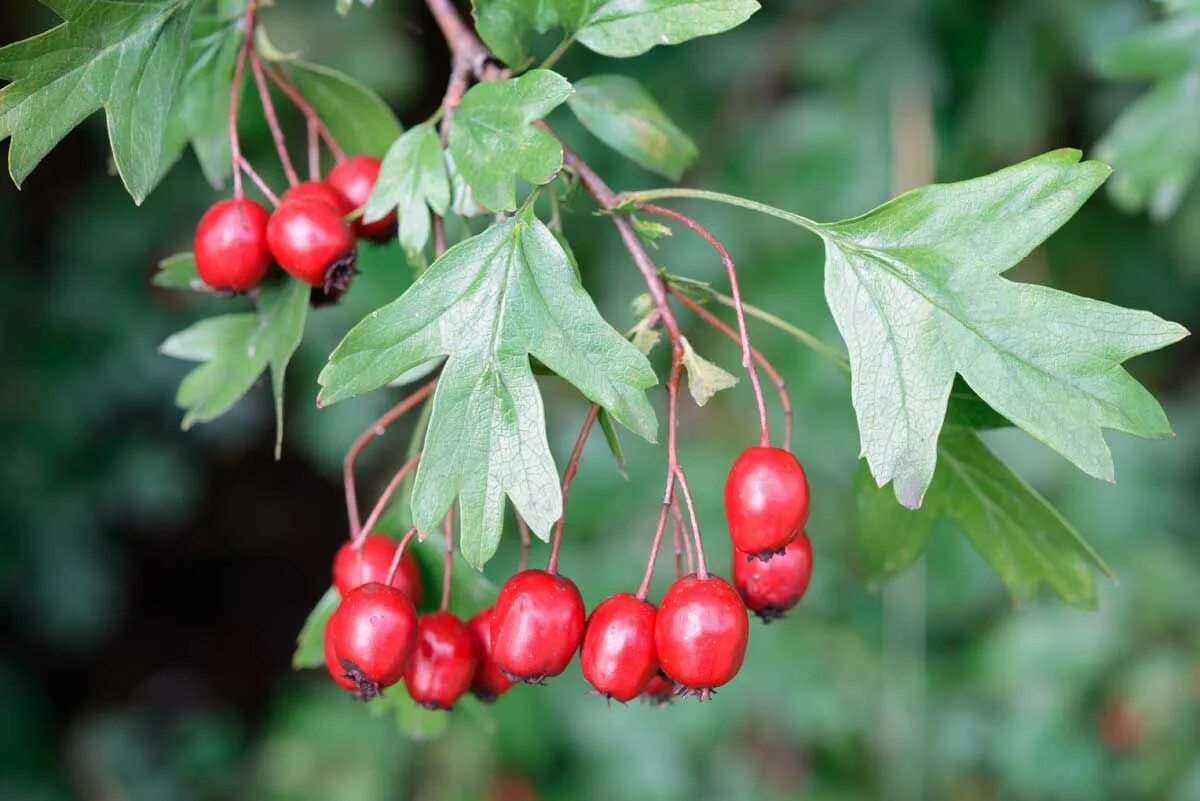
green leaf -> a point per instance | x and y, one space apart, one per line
1163 50
412 180
613 438
493 142
507 26
705 379
310 642
489 304
127 58
359 119
177 272
203 105
915 289
624 28
1015 529
623 115
1154 148
235 349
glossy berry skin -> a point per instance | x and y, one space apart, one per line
660 690
311 241
230 245
766 500
372 633
618 657
319 191
701 632
336 671
377 554
489 683
354 178
537 624
442 663
771 588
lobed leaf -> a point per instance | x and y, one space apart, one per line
489 304
412 180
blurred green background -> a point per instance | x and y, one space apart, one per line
153 581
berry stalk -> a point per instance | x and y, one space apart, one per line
395 566
568 477
264 94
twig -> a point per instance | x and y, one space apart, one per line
374 430
264 93
568 477
785 400
731 272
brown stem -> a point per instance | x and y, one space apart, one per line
235 96
285 85
447 559
731 272
681 532
785 400
655 544
701 564
523 528
568 477
374 430
672 467
391 574
244 166
384 497
678 537
264 93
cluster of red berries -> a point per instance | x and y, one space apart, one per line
309 234
692 643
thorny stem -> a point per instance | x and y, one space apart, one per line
568 477
391 574
245 167
523 529
785 400
374 430
384 497
235 91
264 93
731 272
285 85
447 559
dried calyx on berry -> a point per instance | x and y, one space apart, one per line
369 639
311 240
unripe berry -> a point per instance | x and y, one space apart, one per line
537 624
618 647
354 178
442 663
701 632
772 587
230 245
489 683
766 500
372 633
311 241
353 568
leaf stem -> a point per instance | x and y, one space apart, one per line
568 477
264 94
731 272
558 52
395 566
785 400
376 429
643 196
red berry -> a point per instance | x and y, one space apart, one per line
231 245
772 587
310 239
489 683
442 663
537 624
353 568
766 500
320 191
660 691
618 647
372 633
339 674
701 632
354 179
